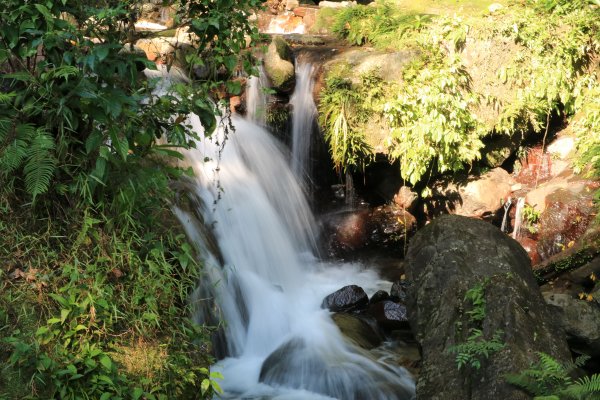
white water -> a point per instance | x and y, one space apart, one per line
265 281
518 217
506 207
257 98
270 289
304 113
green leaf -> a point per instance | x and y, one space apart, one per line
120 144
106 362
44 11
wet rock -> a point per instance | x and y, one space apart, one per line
378 296
565 219
382 227
477 197
389 314
446 258
357 330
348 298
406 198
580 319
399 291
538 198
279 65
390 225
341 376
530 246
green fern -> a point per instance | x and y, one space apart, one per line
551 380
40 164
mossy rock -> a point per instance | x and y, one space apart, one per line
279 65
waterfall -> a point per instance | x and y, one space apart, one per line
268 287
304 113
255 232
506 207
518 217
257 98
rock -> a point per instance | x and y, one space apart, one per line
492 8
378 296
291 4
279 65
334 374
499 148
399 291
276 6
348 298
336 4
383 227
390 225
389 314
357 330
477 197
537 198
530 247
580 319
562 147
406 199
446 258
565 219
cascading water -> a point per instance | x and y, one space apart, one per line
257 98
304 113
263 279
518 217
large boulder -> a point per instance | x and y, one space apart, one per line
449 257
358 330
279 65
478 197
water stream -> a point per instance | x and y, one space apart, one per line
257 237
304 113
257 97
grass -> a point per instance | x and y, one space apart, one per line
445 7
88 309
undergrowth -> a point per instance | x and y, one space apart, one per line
93 311
436 120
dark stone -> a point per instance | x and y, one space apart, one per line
399 291
378 296
389 315
348 298
445 259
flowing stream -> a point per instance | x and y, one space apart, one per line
257 235
257 98
304 113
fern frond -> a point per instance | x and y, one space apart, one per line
40 164
16 150
584 388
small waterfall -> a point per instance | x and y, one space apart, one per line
304 114
505 217
518 217
256 234
257 98
268 288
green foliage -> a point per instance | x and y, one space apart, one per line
433 127
76 111
476 347
106 301
381 25
550 379
341 112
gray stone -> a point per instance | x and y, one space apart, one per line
445 259
357 330
580 319
279 65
